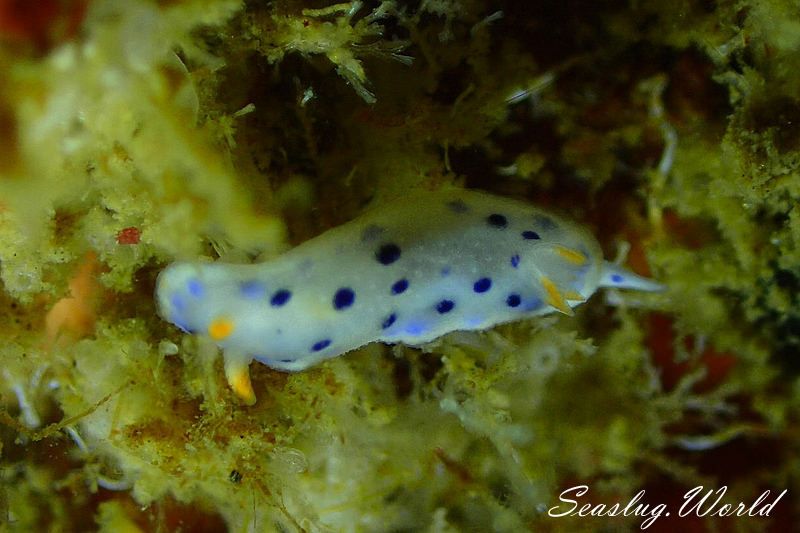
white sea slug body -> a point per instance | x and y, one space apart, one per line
406 272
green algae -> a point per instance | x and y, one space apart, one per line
239 129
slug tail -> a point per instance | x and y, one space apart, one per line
621 278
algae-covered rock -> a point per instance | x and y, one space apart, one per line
137 133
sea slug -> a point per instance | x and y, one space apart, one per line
407 272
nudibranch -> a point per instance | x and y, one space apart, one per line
406 272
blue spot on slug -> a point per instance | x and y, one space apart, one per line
445 306
482 285
389 321
616 278
496 220
515 260
530 235
343 298
195 287
474 321
416 328
280 297
400 286
178 304
513 300
321 345
533 304
252 290
388 254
